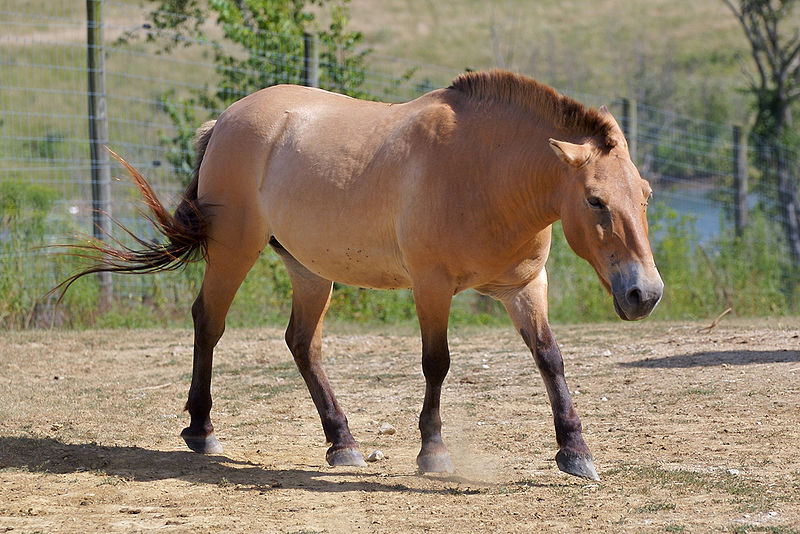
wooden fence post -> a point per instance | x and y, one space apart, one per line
310 76
630 124
739 180
98 136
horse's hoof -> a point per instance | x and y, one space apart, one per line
352 457
580 465
435 463
203 444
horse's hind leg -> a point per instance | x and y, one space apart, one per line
310 298
224 274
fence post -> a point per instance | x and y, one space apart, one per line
310 76
98 136
631 125
739 180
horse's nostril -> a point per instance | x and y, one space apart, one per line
634 297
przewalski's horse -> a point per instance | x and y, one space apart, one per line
454 190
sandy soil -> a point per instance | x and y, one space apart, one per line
691 432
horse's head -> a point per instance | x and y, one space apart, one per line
603 213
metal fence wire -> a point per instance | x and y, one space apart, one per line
44 140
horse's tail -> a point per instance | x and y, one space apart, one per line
186 230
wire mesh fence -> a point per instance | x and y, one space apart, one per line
45 166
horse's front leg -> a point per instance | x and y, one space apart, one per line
432 301
528 310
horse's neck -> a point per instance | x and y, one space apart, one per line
533 187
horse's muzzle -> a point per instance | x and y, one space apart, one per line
636 294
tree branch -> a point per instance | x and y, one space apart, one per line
762 42
755 43
793 54
771 20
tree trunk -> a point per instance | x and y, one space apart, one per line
787 182
789 207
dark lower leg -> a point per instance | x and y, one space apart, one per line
307 354
199 435
551 366
435 368
433 456
573 456
344 448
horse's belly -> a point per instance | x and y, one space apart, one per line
354 265
342 233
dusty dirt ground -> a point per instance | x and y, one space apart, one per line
691 432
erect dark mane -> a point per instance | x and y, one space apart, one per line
541 100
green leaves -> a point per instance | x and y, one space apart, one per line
262 42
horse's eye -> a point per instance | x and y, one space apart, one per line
596 203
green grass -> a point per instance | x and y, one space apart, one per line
749 495
656 507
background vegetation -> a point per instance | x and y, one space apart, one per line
680 55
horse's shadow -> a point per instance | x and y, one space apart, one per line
48 455
717 358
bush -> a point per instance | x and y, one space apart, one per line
26 271
752 273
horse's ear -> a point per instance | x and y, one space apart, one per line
604 110
573 155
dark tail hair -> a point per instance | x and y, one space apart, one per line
185 230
